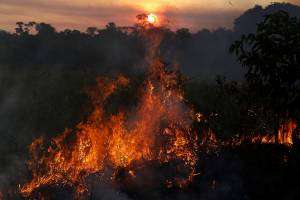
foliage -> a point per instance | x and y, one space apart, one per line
272 57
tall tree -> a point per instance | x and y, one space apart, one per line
272 57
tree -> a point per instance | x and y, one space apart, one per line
272 57
45 29
23 28
92 31
20 28
183 34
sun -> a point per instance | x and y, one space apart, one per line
151 18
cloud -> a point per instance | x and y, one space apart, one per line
196 20
64 14
79 14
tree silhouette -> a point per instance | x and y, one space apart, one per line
45 29
92 31
272 57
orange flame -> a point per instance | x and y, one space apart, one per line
158 130
284 135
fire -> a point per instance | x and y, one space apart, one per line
284 135
152 18
158 130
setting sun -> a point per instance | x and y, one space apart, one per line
152 18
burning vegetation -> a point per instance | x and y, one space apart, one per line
161 129
158 129
285 136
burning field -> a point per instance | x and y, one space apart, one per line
158 130
158 147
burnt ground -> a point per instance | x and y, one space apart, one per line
246 172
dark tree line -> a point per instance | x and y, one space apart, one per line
272 58
48 64
44 71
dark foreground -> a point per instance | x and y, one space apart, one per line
231 173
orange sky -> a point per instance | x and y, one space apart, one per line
80 14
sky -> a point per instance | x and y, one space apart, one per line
80 14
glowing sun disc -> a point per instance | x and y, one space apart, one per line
151 18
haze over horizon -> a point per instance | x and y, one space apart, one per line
79 14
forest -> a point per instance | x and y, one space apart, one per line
244 81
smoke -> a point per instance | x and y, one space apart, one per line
105 191
206 54
13 134
28 109
43 100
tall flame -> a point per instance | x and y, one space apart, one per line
159 129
